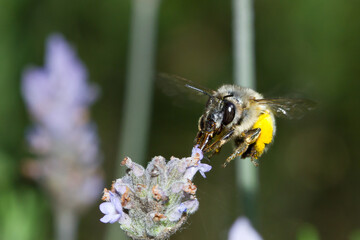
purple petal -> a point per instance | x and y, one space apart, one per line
106 219
110 218
107 208
191 205
196 150
115 218
182 208
203 168
117 205
116 202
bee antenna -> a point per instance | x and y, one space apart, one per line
198 89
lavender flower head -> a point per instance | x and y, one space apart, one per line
153 203
62 137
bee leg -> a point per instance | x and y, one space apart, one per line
255 162
254 157
248 138
238 152
215 147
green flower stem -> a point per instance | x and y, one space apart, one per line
66 223
244 74
140 75
138 93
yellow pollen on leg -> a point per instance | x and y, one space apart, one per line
266 123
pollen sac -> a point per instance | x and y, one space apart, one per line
153 203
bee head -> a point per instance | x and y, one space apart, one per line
219 113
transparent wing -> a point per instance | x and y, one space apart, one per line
173 85
293 108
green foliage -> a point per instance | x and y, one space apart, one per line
7 171
307 232
22 215
355 235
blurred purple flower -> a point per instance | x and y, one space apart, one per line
58 97
242 230
58 94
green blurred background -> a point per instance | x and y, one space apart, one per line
309 180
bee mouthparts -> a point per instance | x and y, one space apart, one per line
204 139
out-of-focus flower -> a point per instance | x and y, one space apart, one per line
155 201
62 138
242 230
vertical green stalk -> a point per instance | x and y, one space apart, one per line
66 223
244 75
9 68
139 85
138 93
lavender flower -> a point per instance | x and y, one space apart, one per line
196 165
62 137
153 203
242 230
113 210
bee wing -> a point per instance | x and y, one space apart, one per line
293 108
174 85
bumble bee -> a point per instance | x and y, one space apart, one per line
242 115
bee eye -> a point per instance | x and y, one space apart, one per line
229 112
